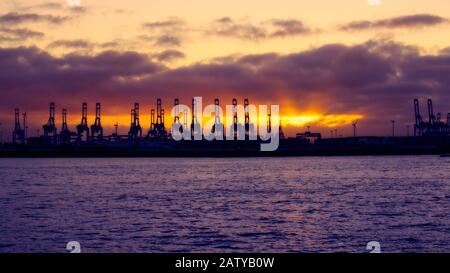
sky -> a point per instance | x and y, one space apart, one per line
326 63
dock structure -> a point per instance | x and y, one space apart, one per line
434 125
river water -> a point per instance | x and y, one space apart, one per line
305 204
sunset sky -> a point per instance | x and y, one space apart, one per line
326 62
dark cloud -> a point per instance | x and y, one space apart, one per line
49 5
169 55
55 6
80 44
378 79
165 33
224 20
171 23
111 44
257 59
19 18
431 70
168 40
164 40
289 28
241 29
227 27
18 34
445 51
170 32
38 75
78 9
408 21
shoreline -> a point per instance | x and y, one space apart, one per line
351 146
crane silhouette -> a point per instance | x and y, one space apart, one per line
354 124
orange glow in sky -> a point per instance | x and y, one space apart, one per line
322 120
295 121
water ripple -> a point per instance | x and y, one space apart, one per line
328 204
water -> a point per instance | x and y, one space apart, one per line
318 204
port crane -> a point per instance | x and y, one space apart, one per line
176 119
135 132
195 124
217 126
65 134
96 128
160 128
434 126
83 126
157 118
50 128
18 133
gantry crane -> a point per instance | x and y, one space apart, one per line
83 126
18 133
50 128
135 132
65 134
96 128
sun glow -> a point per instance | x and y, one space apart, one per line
287 120
322 120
